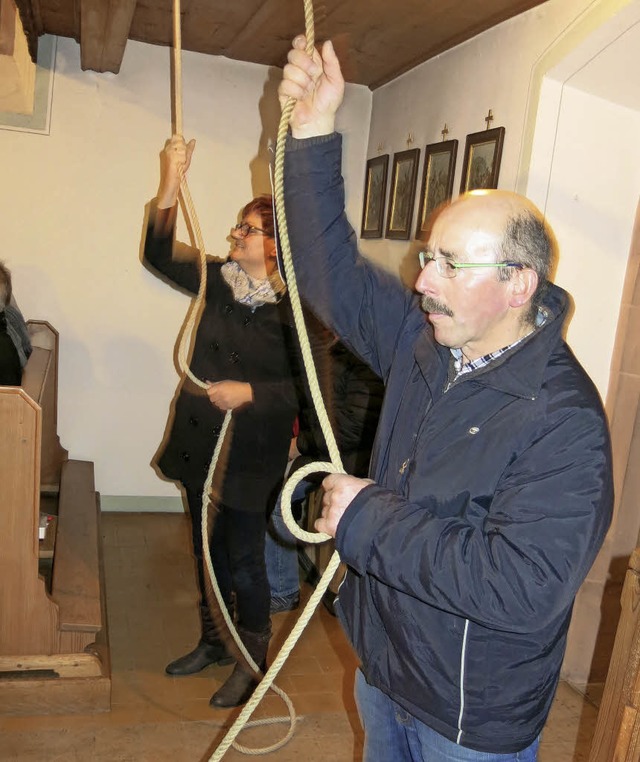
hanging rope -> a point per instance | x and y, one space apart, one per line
183 349
335 466
185 341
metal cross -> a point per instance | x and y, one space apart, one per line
489 118
444 132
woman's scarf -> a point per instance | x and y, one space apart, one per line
253 292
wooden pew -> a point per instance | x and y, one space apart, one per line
54 651
617 734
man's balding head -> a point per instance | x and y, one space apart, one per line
492 257
516 226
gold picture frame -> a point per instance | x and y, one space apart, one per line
375 187
482 155
403 191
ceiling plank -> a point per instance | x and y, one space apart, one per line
104 30
377 40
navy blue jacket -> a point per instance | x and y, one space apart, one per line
490 500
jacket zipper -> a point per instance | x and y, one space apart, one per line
463 655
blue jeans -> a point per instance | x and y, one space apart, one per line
281 548
393 735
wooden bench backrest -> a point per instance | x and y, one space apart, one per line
40 381
28 618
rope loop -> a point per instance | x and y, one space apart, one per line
285 500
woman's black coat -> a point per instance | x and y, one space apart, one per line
233 342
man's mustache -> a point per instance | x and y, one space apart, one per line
429 304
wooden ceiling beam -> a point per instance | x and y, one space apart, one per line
104 30
17 70
31 19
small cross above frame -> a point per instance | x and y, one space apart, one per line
444 132
489 118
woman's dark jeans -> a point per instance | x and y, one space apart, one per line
237 554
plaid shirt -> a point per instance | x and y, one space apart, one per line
480 362
483 361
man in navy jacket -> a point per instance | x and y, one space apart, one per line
491 483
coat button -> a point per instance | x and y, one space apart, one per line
193 421
247 320
185 456
214 346
228 309
216 430
234 357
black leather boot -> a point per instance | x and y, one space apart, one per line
210 649
243 680
202 656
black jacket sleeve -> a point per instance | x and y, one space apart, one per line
176 261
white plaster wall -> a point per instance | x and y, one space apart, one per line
591 205
72 220
585 175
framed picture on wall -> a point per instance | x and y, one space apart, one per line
482 154
437 180
403 191
375 187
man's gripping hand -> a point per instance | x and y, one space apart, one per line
317 84
339 491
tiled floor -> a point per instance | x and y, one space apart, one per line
156 718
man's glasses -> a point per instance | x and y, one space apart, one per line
245 229
448 269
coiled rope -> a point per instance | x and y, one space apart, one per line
335 466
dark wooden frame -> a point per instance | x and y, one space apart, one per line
374 197
427 201
474 141
402 195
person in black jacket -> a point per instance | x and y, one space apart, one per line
242 350
353 397
16 325
491 485
10 367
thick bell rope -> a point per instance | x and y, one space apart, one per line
335 466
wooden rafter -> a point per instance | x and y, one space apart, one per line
29 11
104 30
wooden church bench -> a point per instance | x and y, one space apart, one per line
54 651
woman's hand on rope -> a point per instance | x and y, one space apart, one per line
339 491
317 84
230 395
175 160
